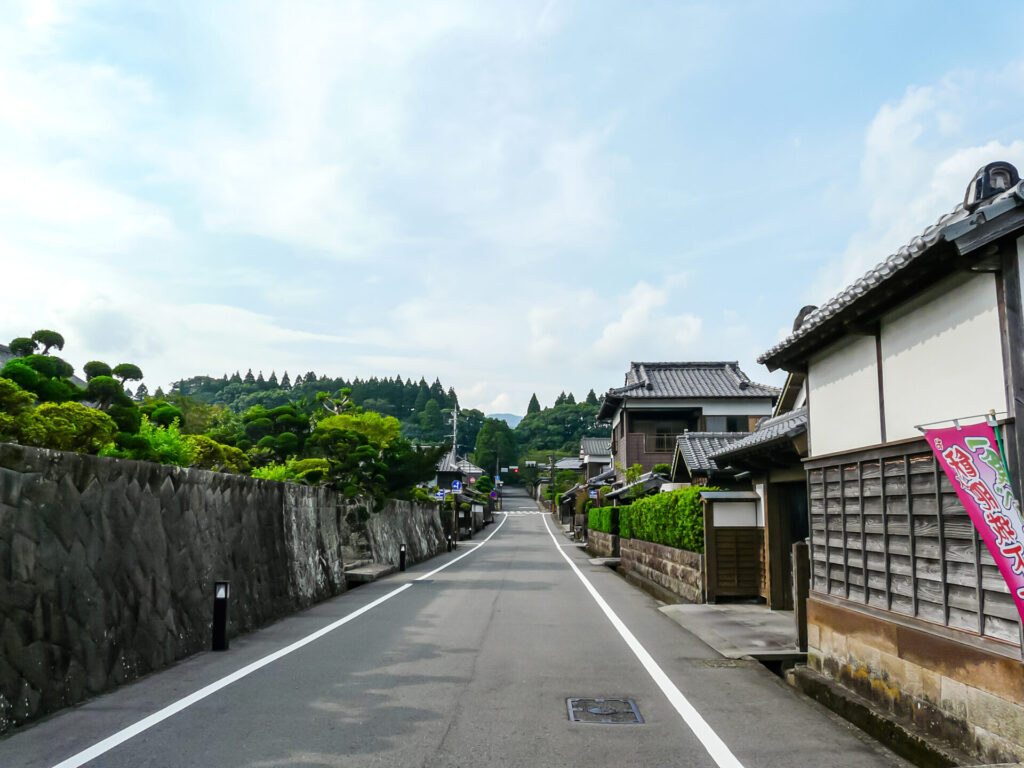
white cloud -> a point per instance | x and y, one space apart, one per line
919 154
641 330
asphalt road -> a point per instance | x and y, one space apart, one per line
470 665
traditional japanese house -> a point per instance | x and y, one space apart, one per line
661 401
906 603
596 455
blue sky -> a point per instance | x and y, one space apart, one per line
511 196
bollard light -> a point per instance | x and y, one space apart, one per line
221 593
401 558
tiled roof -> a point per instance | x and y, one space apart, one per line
782 427
448 463
452 463
569 462
608 474
698 380
596 446
949 226
697 448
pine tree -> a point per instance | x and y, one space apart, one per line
159 394
570 399
249 378
591 398
260 381
453 400
272 381
560 400
141 393
297 382
285 384
534 406
236 379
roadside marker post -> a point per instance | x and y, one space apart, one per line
221 593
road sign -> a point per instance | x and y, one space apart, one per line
439 495
494 494
497 478
504 469
514 469
456 485
593 494
472 480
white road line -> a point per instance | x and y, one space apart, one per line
146 723
719 752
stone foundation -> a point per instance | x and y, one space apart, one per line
968 694
679 571
602 544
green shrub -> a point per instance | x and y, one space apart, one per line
604 519
209 454
675 519
164 445
661 469
66 427
272 471
626 521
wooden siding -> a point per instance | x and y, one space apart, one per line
890 532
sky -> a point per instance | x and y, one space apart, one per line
513 197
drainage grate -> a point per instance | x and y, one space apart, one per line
622 711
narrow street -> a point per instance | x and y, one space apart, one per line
465 660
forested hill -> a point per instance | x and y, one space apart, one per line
419 406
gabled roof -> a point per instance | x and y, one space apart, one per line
684 380
697 448
647 482
899 271
783 427
596 446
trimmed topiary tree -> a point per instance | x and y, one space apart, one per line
48 339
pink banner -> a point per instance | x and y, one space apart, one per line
970 456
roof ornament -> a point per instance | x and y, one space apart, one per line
802 315
989 181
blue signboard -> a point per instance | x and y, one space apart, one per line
439 495
494 494
456 485
593 494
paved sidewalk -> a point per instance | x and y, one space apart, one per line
737 630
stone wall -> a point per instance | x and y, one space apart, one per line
968 694
417 526
107 565
602 544
677 570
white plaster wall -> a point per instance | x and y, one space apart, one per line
942 356
842 383
736 514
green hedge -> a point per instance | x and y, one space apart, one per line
675 519
604 519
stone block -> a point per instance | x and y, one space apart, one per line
996 714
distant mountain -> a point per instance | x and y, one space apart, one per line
509 418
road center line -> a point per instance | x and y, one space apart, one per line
719 752
159 716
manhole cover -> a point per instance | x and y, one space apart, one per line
622 711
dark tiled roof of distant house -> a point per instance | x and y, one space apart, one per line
862 295
785 426
596 446
684 380
697 448
607 476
